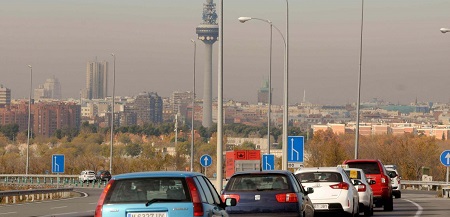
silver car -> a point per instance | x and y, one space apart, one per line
362 184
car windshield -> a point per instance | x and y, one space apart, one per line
392 173
367 167
319 177
256 182
148 189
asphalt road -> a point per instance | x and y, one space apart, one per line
412 203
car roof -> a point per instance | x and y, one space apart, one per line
361 160
284 172
180 174
329 169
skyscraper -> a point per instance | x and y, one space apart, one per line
50 90
5 96
149 108
96 80
263 93
208 32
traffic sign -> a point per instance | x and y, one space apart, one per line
205 160
58 163
268 162
295 149
445 158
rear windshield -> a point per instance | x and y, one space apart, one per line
367 167
319 177
263 182
353 174
146 189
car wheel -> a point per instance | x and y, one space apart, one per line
368 210
389 204
398 194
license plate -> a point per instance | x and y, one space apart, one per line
147 214
320 206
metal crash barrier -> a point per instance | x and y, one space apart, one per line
16 196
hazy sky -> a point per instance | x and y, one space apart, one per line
405 56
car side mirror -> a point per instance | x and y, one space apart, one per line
230 202
310 190
356 182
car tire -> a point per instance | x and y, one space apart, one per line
368 211
398 195
389 204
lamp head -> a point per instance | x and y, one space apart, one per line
244 19
112 54
30 66
193 40
444 30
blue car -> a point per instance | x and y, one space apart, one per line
268 193
161 194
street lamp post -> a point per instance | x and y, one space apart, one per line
112 114
29 120
245 19
193 110
359 83
445 30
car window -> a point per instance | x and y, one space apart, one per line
367 167
319 177
252 182
204 187
213 191
392 173
145 189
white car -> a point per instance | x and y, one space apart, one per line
333 190
87 176
395 180
362 185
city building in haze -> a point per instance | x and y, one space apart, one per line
148 107
96 80
51 89
5 96
263 93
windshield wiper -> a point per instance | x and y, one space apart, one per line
154 200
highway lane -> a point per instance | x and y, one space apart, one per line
81 206
413 204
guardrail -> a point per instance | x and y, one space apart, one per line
15 196
421 185
47 179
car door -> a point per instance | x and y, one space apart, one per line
307 205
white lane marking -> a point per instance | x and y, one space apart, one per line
7 213
58 207
419 208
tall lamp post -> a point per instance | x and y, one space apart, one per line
29 119
359 83
112 114
243 20
284 163
445 30
193 110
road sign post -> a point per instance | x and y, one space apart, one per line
295 153
205 161
445 160
268 162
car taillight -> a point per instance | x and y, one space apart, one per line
101 200
198 207
287 198
341 185
399 181
361 188
235 196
